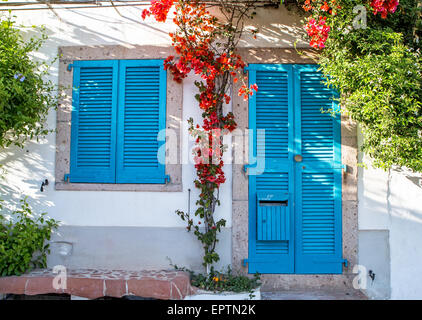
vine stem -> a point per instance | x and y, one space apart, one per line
208 268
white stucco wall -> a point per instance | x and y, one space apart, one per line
393 202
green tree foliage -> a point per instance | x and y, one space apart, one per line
378 71
25 95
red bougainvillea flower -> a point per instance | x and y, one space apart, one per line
384 7
159 9
246 92
307 5
318 32
325 7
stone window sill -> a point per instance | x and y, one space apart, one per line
169 187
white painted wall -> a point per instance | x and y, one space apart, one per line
394 202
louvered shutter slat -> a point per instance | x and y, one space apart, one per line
272 113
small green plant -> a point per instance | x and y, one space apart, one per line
22 240
219 281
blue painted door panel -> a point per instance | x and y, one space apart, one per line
304 234
318 177
141 115
94 113
271 109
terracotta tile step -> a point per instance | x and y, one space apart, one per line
90 283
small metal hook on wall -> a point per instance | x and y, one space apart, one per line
44 184
371 275
188 201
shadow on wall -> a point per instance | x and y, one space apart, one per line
416 180
386 193
97 27
24 171
281 27
414 177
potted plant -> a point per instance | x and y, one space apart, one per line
225 286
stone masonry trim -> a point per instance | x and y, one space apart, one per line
349 188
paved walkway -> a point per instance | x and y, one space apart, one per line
313 295
91 284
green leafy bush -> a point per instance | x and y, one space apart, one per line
25 95
22 241
377 69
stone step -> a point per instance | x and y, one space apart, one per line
93 283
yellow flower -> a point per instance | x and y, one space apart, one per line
215 279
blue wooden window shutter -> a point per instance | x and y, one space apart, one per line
94 114
119 107
141 115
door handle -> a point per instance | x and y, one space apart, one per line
298 158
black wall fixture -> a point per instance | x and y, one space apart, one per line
43 184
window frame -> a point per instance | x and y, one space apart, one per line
173 116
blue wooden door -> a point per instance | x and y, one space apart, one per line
294 172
